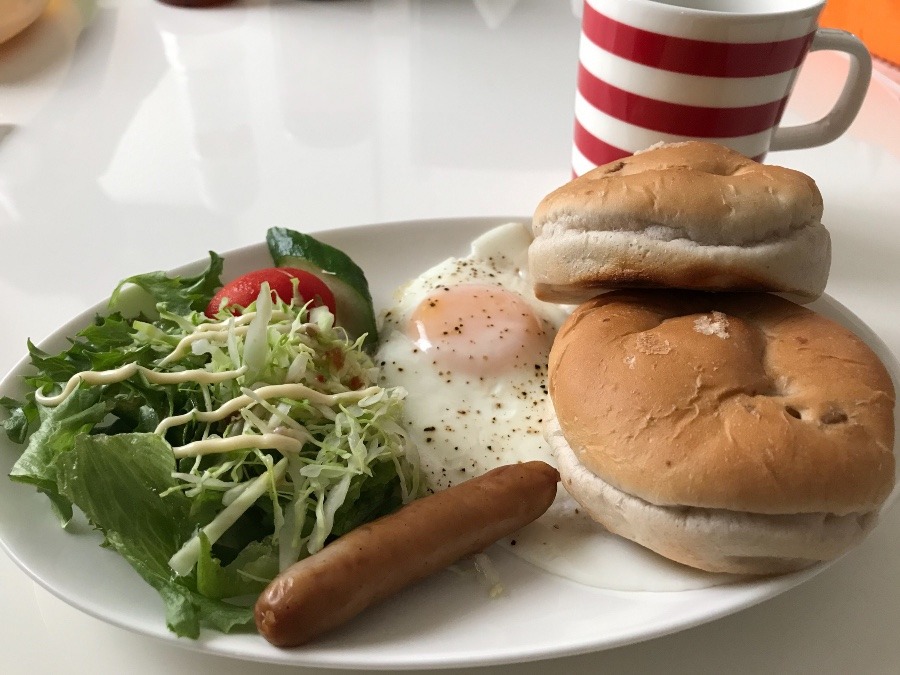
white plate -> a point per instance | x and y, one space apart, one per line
444 622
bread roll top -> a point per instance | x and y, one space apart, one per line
691 215
745 402
700 191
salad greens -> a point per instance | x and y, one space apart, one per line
212 453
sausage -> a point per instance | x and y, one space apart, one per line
377 559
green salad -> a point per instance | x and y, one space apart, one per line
212 451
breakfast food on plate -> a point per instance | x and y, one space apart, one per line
271 452
692 215
738 433
378 559
698 414
247 428
469 342
476 399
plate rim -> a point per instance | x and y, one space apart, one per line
749 593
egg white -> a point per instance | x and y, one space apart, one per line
465 424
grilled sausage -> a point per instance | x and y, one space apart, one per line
378 559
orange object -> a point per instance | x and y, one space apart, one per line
875 22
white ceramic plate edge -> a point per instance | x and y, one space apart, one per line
441 623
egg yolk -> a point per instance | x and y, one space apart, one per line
478 329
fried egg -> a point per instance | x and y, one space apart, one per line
470 342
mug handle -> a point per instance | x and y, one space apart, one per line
849 102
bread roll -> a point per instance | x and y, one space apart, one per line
741 420
692 215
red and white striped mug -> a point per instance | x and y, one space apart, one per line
721 70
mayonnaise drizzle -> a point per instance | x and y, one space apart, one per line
184 345
281 440
122 373
216 445
295 391
218 330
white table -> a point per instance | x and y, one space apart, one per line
136 136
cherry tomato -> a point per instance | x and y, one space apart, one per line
245 289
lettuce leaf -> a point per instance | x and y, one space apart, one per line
178 295
22 419
60 426
117 481
247 574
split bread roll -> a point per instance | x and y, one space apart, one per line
691 215
731 432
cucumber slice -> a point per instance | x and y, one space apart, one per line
343 276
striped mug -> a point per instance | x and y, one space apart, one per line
721 70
